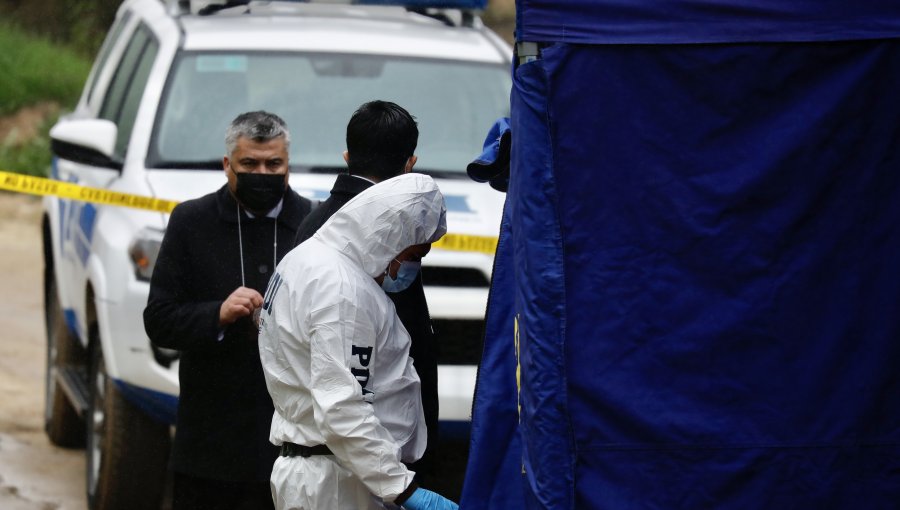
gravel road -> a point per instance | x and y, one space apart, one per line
34 475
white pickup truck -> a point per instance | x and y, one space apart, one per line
151 122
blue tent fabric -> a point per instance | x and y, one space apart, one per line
703 240
704 21
494 481
539 297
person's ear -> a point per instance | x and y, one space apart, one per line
225 163
410 163
346 155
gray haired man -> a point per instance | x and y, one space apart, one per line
217 255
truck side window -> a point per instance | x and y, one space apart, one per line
105 51
127 87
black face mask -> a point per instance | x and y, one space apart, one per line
259 193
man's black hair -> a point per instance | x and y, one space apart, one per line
381 136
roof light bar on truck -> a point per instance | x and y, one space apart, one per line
209 6
417 4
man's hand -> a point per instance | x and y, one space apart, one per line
241 303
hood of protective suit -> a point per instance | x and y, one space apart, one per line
385 219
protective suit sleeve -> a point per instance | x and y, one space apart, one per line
347 422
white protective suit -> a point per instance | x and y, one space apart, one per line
336 357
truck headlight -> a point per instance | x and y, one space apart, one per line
143 252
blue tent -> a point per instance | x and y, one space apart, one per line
696 296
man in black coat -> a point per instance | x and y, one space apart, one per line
216 258
381 140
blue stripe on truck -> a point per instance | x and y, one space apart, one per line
159 406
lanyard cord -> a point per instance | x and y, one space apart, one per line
241 244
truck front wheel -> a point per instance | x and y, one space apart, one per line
127 451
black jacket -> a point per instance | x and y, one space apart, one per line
224 410
412 310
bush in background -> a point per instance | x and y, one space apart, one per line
81 24
39 78
31 157
35 70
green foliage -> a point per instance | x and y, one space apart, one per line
31 157
36 70
80 24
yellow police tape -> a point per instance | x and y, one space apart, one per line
42 186
460 242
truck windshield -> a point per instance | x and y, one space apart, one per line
453 102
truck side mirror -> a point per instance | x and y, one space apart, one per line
87 141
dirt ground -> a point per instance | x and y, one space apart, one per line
34 475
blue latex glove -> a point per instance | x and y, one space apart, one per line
423 499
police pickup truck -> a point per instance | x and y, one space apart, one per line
168 79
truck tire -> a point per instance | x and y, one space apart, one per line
61 421
127 451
